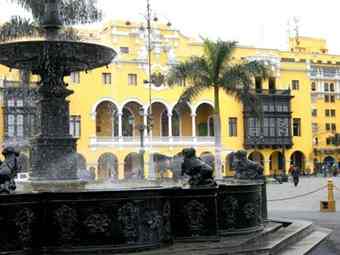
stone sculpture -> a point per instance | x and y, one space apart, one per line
8 170
246 169
201 174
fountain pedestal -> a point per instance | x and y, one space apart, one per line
53 149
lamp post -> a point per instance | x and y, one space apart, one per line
283 127
141 128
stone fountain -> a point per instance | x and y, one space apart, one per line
206 218
52 60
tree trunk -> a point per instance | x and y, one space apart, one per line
217 133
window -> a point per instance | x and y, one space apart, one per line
20 103
75 77
313 86
75 125
283 125
315 127
10 125
11 102
328 126
254 126
328 140
327 112
258 84
333 112
106 78
132 79
124 50
331 87
333 125
266 127
295 85
271 127
272 83
326 87
15 125
296 127
232 126
332 98
20 125
314 112
326 98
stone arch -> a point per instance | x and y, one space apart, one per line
298 159
104 99
81 161
329 161
228 168
182 120
257 157
197 105
106 119
203 112
276 163
160 101
131 100
132 167
23 163
208 158
128 122
107 166
163 166
157 108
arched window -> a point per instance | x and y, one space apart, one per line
176 124
106 119
128 122
211 126
164 123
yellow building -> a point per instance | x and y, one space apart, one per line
111 104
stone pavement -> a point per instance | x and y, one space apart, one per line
307 208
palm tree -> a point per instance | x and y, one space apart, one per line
71 12
216 70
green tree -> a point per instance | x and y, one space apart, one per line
216 70
72 12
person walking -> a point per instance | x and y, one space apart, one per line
295 174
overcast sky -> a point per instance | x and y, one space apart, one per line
261 23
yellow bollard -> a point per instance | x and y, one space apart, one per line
329 206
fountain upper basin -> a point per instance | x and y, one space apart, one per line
71 56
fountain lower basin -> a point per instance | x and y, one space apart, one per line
115 221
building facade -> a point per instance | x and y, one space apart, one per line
111 106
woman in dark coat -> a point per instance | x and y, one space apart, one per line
296 174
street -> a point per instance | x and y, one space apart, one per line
307 207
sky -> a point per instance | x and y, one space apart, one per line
260 23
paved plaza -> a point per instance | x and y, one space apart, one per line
307 207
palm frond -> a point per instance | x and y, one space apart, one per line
71 11
257 69
17 27
194 69
192 92
217 55
238 81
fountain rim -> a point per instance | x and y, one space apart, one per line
11 61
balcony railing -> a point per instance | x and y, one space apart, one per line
164 141
269 141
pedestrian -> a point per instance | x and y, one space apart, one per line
295 174
334 169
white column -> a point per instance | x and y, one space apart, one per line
145 123
193 121
170 125
120 126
